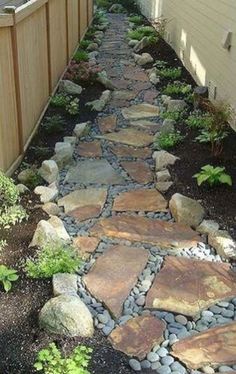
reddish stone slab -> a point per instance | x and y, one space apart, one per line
139 171
149 126
188 286
146 230
115 103
138 336
107 124
129 136
108 282
136 75
141 86
86 245
150 95
214 347
90 149
125 151
120 83
140 200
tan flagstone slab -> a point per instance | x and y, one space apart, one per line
140 200
84 204
108 282
138 336
139 171
215 347
94 172
141 229
121 150
124 95
86 245
107 124
141 111
188 286
152 127
129 137
90 149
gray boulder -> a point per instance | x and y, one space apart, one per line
176 105
186 211
223 243
144 42
164 159
64 284
99 105
143 59
49 171
69 87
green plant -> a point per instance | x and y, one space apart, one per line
142 31
3 244
41 152
34 179
60 100
211 136
167 141
170 73
50 361
73 107
213 176
81 55
54 124
53 258
9 193
177 89
175 115
136 19
11 215
7 276
199 120
84 43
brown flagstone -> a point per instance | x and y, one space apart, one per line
84 203
150 95
120 83
129 136
138 336
116 103
140 200
141 86
86 245
216 346
146 125
139 111
138 171
188 286
107 124
125 151
136 75
141 229
107 281
124 95
90 149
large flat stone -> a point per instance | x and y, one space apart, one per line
107 124
85 245
139 171
141 229
107 281
90 149
138 336
140 200
188 286
93 172
84 204
129 137
152 127
214 347
124 151
141 111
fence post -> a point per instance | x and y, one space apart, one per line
12 10
88 18
79 20
49 49
67 32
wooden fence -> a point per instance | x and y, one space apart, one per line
36 44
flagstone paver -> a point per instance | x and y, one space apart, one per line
124 151
90 149
188 286
142 229
84 204
107 124
138 171
217 346
129 136
108 280
85 245
141 111
138 336
140 200
146 125
94 171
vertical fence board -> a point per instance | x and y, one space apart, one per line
73 25
90 10
83 17
9 141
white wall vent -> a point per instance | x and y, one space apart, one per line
212 90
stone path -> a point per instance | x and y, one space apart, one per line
161 295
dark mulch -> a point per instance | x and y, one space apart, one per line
220 201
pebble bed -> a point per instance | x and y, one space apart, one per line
178 326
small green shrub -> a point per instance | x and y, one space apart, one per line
142 31
167 141
137 20
7 276
60 100
54 124
84 44
50 361
170 73
73 107
198 121
34 179
81 55
52 259
177 89
9 193
41 152
175 115
3 244
210 136
160 64
12 215
213 176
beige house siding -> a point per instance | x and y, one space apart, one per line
195 30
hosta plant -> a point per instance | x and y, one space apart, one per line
213 176
7 276
51 361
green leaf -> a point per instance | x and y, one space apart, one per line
38 366
225 178
202 178
6 285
